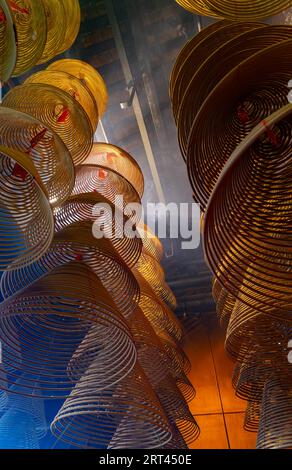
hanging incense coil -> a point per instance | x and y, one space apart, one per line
89 77
47 151
30 25
275 427
127 415
108 222
253 245
27 224
73 20
113 157
254 90
110 184
54 315
239 10
70 85
77 243
57 110
252 416
7 43
177 409
227 49
54 10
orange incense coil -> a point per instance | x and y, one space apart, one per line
57 110
253 88
253 255
47 151
70 85
72 16
27 224
54 10
54 315
107 219
239 10
30 26
7 43
177 409
110 184
127 415
77 243
89 77
252 416
113 157
275 426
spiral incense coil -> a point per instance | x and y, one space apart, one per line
248 327
30 26
72 16
54 315
152 355
70 85
275 427
54 13
57 110
209 44
236 10
89 77
157 313
110 184
227 48
255 247
27 225
89 418
77 243
177 409
7 43
254 90
182 68
151 244
47 151
113 157
109 222
252 416
153 273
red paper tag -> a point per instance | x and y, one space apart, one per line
102 174
64 115
19 172
2 16
242 114
37 138
273 138
79 257
18 9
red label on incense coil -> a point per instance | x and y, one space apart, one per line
64 115
19 172
18 9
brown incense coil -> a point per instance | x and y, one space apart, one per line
151 244
275 427
55 16
109 222
249 328
214 57
72 16
27 225
54 315
57 110
157 313
254 90
47 151
77 243
30 26
113 157
110 184
152 355
224 302
177 409
239 10
7 43
89 77
153 273
89 418
185 65
71 85
247 237
252 416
